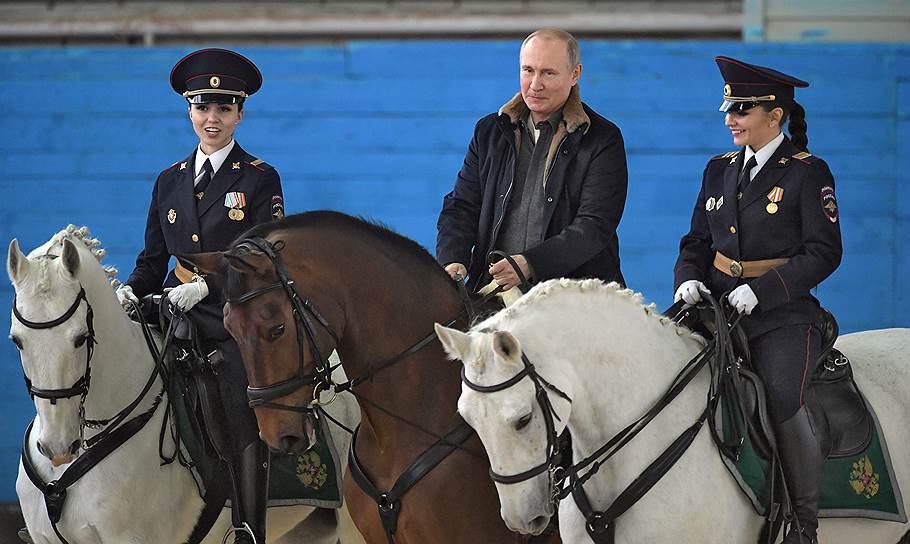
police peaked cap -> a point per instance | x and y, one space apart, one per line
215 75
745 85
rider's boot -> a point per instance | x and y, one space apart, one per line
801 459
252 491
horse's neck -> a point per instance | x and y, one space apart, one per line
424 386
121 363
619 377
617 361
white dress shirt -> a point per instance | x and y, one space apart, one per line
217 158
762 155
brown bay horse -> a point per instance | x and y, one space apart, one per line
298 288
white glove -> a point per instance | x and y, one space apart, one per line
690 291
743 299
125 296
189 294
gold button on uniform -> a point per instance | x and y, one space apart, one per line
732 230
195 237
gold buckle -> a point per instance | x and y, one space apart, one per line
736 269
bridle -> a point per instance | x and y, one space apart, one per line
551 463
82 385
568 480
304 314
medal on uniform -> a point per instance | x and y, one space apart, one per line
234 201
709 205
236 214
775 195
171 216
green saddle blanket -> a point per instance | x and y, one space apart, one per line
312 478
863 485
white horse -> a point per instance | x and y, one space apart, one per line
614 357
129 497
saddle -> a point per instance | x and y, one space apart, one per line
836 407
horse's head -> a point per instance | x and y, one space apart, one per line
52 327
517 422
284 348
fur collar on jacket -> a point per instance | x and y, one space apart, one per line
573 115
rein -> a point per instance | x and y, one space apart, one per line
565 481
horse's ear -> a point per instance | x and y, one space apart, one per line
16 262
70 257
506 346
247 261
454 342
206 263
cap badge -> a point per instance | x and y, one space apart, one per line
215 82
709 205
171 216
727 90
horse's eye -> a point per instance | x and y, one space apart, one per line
15 340
276 332
81 341
523 422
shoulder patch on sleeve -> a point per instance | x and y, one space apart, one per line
728 155
829 203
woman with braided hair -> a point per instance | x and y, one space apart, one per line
764 232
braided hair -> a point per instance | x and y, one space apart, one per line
797 116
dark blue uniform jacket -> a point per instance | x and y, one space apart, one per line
178 225
804 228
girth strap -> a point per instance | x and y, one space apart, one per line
389 502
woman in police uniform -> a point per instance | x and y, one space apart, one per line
765 230
202 203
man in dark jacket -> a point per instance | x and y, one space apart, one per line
544 180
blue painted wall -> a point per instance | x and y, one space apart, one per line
380 129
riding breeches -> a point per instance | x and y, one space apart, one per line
785 359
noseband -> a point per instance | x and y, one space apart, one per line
303 310
543 400
82 384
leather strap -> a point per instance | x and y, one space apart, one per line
744 269
389 502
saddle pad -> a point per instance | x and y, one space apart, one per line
863 485
312 478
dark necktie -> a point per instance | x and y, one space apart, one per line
203 179
744 177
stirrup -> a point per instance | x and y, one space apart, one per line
24 536
243 529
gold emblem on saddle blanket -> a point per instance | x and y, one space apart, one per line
311 471
863 478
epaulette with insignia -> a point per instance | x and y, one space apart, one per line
260 164
728 155
804 156
173 165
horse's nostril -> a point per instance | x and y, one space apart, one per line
42 450
290 444
74 447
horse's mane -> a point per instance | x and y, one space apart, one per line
53 248
592 287
332 220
